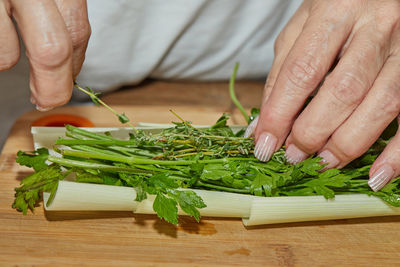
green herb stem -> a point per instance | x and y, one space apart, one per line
233 95
134 160
93 96
88 134
95 166
223 188
70 142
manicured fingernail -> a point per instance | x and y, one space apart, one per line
328 158
381 177
265 146
42 109
250 129
294 155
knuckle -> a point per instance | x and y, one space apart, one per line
349 90
351 152
346 151
272 118
390 98
51 55
80 34
306 137
303 73
388 12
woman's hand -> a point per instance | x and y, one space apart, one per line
359 41
55 33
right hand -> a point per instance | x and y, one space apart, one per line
56 34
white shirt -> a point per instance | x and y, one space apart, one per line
181 39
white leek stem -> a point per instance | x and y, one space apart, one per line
270 210
74 196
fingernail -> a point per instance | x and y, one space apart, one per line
265 146
294 155
42 109
250 129
381 177
328 158
33 100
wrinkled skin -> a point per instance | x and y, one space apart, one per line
56 34
353 48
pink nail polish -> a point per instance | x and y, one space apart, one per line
295 155
328 158
265 146
250 129
381 177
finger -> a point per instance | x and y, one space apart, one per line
364 126
49 51
342 91
76 19
386 166
9 44
303 69
283 44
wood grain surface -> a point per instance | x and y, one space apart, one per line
127 239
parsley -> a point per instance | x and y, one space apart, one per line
45 180
36 159
166 208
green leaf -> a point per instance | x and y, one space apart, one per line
111 180
160 183
221 122
36 159
254 113
215 172
189 202
123 118
94 96
391 198
166 208
311 166
325 191
28 194
20 204
196 169
261 183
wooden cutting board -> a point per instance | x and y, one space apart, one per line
124 238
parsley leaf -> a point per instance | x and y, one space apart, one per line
166 208
189 202
28 194
311 166
36 159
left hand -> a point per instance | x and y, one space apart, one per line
357 100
